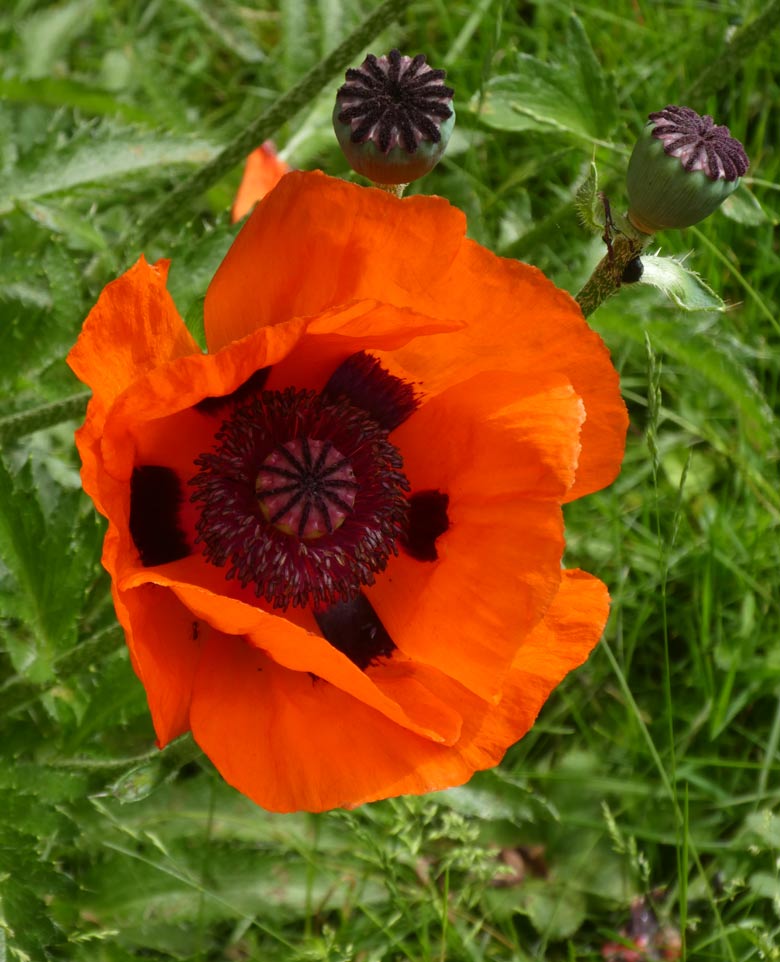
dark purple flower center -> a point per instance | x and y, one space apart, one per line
303 496
699 143
394 101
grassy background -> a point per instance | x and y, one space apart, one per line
654 770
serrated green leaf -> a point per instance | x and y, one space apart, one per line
54 785
571 96
29 931
192 267
27 814
70 224
33 335
64 285
29 884
681 284
590 210
106 155
48 557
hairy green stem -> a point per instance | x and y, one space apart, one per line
606 278
174 207
44 416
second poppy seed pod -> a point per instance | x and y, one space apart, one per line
393 117
682 169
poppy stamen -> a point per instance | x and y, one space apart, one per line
303 496
363 381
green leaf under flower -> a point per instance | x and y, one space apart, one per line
572 96
681 284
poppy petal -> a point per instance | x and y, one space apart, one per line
132 330
262 172
165 642
496 431
294 647
316 241
291 743
504 450
518 320
182 383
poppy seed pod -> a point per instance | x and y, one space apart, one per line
393 117
682 168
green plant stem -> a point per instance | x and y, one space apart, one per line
721 71
176 203
44 416
606 277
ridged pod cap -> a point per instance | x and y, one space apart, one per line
393 117
682 169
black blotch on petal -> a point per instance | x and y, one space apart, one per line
427 520
362 380
355 629
254 384
155 498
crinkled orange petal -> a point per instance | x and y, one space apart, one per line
315 242
554 648
133 329
295 648
366 326
262 172
494 433
504 449
292 743
165 646
518 320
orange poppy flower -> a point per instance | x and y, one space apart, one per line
335 539
262 172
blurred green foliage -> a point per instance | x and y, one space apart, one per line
653 772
